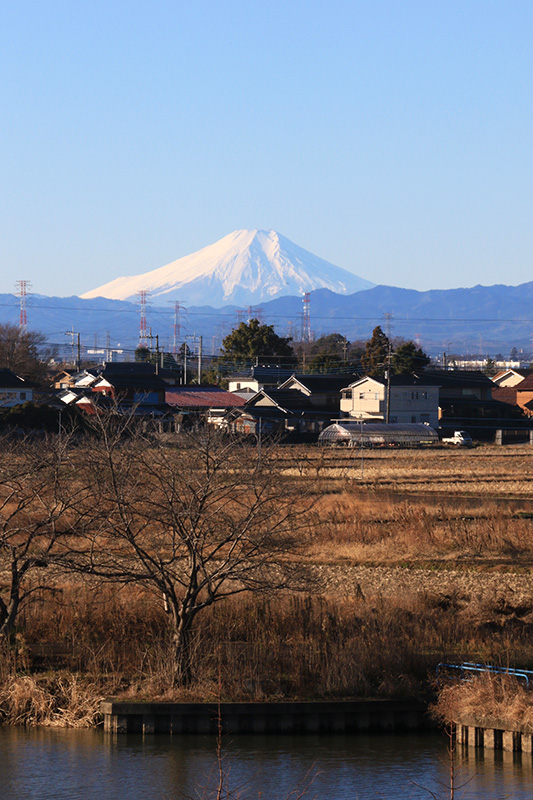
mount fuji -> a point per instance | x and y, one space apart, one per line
245 267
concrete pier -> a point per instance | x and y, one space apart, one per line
261 718
493 734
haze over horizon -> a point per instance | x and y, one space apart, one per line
391 140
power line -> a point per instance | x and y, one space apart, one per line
275 315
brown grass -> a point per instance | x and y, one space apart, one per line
467 508
81 645
61 699
499 699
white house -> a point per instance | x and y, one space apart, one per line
411 400
256 379
13 390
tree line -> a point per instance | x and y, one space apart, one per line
26 354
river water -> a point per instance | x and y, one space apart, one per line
47 763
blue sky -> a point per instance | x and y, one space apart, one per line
391 138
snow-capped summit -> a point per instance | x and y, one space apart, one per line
245 267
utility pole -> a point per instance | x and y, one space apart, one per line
387 410
200 360
156 337
197 341
75 334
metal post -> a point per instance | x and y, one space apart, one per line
199 360
362 451
387 407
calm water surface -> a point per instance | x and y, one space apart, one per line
66 764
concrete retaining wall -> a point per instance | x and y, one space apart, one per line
278 718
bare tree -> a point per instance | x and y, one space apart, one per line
195 523
39 507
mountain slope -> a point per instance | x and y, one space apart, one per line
480 319
246 267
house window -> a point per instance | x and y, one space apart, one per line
414 395
347 394
413 418
361 395
238 386
424 395
23 395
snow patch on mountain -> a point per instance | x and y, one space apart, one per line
244 267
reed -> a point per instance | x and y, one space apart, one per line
487 698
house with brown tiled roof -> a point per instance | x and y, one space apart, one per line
508 378
194 403
524 395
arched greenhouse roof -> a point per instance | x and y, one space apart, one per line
376 433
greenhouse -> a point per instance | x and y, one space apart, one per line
378 434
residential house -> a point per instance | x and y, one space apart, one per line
323 390
136 389
63 379
133 382
279 411
466 401
256 378
200 398
13 389
201 402
412 400
523 395
507 378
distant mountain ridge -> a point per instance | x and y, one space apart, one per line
245 267
481 319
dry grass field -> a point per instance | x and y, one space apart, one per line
441 504
413 556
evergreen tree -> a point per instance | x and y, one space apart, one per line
408 358
374 359
142 354
251 340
